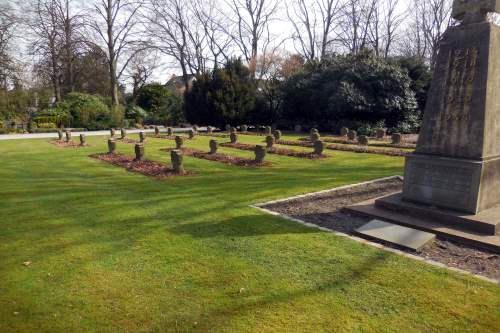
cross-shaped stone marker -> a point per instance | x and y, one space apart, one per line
474 11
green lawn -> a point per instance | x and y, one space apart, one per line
113 251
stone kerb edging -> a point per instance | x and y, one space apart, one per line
260 207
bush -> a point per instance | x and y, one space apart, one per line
157 104
356 91
136 113
44 130
82 110
225 96
46 125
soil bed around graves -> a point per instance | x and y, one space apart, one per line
214 135
253 133
66 144
222 158
350 148
373 142
164 137
277 151
127 141
145 167
326 210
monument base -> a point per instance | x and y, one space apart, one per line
469 186
480 230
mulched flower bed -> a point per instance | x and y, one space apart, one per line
276 151
253 133
374 142
147 168
165 137
326 210
215 135
222 158
127 141
66 144
350 148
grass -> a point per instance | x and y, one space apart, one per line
113 251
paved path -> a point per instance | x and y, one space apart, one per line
89 133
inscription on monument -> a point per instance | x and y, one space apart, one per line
446 178
461 73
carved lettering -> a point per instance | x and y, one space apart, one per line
447 178
462 66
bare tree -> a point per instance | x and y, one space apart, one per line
117 26
8 22
356 28
213 23
436 18
313 23
71 24
44 24
429 21
392 22
249 27
176 32
142 67
385 23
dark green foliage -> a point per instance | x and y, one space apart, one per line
227 95
161 105
136 113
81 110
420 75
355 88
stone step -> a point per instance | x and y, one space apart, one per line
443 231
405 237
487 222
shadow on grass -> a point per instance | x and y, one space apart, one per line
241 226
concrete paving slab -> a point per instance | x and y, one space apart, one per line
396 234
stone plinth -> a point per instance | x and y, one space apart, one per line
457 161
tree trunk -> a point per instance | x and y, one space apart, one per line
113 81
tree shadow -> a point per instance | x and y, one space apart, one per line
242 226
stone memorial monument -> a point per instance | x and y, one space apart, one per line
457 161
453 178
